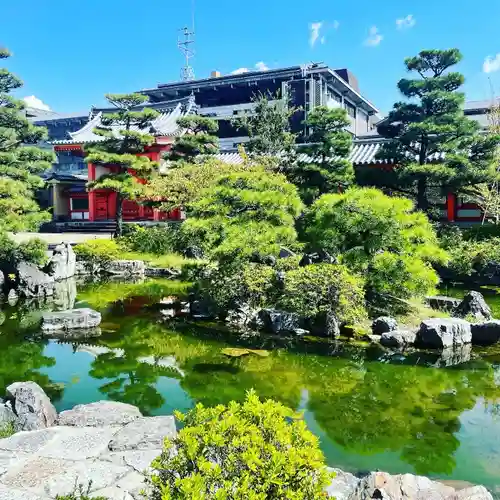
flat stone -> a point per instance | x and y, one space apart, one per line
442 302
139 460
112 493
73 319
9 459
472 493
133 483
100 474
343 484
398 338
125 268
145 433
78 443
99 414
31 405
29 442
7 493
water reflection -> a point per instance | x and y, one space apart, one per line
415 412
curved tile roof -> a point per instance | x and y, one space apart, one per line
164 125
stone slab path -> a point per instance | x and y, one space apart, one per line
107 445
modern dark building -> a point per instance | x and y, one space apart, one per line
307 86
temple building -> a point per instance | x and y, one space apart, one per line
68 178
222 98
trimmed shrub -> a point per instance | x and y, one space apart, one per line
367 230
254 450
97 253
158 240
321 288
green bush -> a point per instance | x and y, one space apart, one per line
468 257
250 450
158 240
321 288
401 276
366 228
226 286
33 251
97 252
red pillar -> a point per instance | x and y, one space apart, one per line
451 202
156 214
92 205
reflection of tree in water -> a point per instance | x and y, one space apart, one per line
20 358
414 410
132 367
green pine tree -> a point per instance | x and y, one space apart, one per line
435 146
120 150
268 127
199 138
327 168
21 163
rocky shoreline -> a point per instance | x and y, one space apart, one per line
109 446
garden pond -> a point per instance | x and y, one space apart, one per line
371 409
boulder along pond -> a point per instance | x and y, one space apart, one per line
416 411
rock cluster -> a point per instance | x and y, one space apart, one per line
383 486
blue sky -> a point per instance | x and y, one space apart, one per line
70 53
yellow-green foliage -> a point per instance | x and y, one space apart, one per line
252 450
97 252
7 430
320 288
375 233
33 251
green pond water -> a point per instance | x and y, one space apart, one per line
371 409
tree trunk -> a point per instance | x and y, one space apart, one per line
422 202
119 216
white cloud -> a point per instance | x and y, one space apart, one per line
491 64
314 29
323 40
261 66
406 22
34 102
335 25
374 37
240 71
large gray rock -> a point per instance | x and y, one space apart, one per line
343 484
474 305
275 321
384 324
7 415
486 333
62 264
442 303
102 413
32 282
70 320
439 333
398 338
125 268
325 324
144 434
31 405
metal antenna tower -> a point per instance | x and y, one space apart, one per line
185 44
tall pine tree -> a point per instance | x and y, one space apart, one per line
20 164
327 167
125 134
434 145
